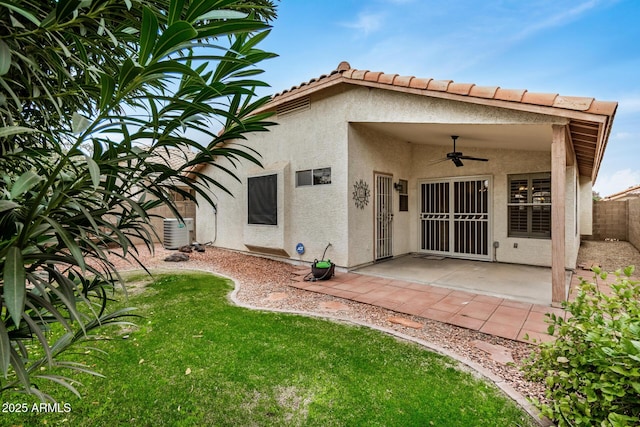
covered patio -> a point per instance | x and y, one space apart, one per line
516 282
506 300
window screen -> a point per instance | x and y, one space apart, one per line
263 200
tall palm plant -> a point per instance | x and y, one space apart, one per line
91 93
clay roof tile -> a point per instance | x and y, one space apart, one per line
359 74
514 95
573 102
536 98
386 78
483 91
372 76
419 83
439 85
403 81
460 88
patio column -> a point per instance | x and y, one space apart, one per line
558 219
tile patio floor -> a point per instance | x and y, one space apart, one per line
492 315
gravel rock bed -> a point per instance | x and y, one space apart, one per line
264 284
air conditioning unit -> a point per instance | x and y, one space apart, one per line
177 233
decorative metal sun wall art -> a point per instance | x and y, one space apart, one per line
361 194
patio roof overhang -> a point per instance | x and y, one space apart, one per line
588 121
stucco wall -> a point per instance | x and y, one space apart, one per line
372 152
336 132
313 215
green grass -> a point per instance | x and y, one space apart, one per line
197 360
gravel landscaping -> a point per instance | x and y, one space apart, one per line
264 284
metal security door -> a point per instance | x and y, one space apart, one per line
455 217
384 217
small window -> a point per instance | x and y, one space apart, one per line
322 176
263 200
403 190
530 205
313 177
304 178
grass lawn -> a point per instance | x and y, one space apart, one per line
197 360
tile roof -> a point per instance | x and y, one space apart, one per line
633 191
590 119
346 74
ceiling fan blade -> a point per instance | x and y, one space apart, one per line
473 158
456 161
435 162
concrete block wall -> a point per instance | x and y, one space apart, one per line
634 222
611 220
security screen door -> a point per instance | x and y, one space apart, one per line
454 217
384 216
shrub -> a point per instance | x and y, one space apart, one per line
592 369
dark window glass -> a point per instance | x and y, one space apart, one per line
263 200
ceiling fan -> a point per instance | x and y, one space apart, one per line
456 157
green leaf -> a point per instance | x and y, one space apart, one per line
24 183
128 72
7 205
222 14
22 12
94 171
148 35
5 58
175 11
68 241
65 8
107 87
14 284
15 130
174 38
79 123
5 350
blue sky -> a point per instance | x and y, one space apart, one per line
572 47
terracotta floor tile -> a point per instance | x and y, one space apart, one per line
413 308
535 325
517 304
488 299
404 295
462 294
509 316
533 335
466 322
440 316
440 290
478 310
501 330
354 287
381 281
450 304
400 283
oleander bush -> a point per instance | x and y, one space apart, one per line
592 369
92 94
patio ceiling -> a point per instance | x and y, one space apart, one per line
510 137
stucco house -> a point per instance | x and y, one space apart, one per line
366 161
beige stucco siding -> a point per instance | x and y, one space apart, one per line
347 130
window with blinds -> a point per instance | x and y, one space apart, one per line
530 205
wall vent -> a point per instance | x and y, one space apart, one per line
300 104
